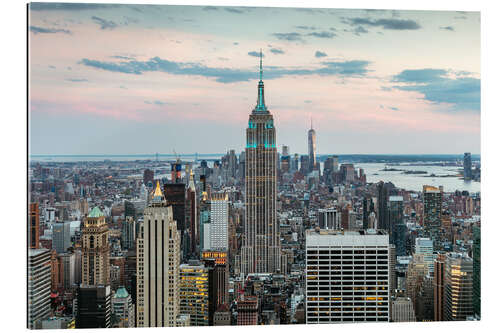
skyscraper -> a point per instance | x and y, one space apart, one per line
467 166
476 266
424 246
457 303
347 276
219 220
39 275
158 259
396 206
261 242
61 236
95 249
94 307
192 214
311 144
433 201
194 293
34 227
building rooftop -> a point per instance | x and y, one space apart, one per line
96 212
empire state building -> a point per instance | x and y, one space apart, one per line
261 241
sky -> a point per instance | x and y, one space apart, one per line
140 79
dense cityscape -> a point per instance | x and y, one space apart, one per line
262 237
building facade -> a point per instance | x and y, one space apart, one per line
261 242
347 276
95 249
39 280
158 259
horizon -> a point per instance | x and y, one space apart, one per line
130 78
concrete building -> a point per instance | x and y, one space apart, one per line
34 226
347 276
61 236
158 259
194 293
329 218
424 246
123 308
438 283
247 309
95 249
219 221
261 250
93 307
457 304
129 227
402 310
39 274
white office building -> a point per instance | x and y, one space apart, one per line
219 220
424 246
347 276
329 219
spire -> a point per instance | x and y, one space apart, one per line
311 122
157 190
260 64
191 181
261 105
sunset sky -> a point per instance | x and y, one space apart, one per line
132 79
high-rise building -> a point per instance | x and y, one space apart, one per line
329 219
219 277
123 308
476 267
347 276
219 220
311 145
418 269
192 214
458 292
396 207
175 196
158 259
402 310
384 191
304 165
93 307
194 293
261 242
95 249
129 227
348 172
34 227
68 263
39 280
424 246
176 170
247 309
433 201
61 236
438 281
148 177
467 166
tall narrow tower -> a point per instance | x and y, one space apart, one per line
311 140
261 242
95 249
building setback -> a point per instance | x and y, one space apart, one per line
347 276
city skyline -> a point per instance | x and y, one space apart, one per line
122 98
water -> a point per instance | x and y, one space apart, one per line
415 182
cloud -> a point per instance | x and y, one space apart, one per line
122 57
40 30
464 93
449 28
39 6
355 68
320 54
289 36
255 54
236 43
210 8
425 75
234 10
156 102
77 80
308 101
52 66
105 24
393 108
305 27
323 34
360 30
276 51
389 24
